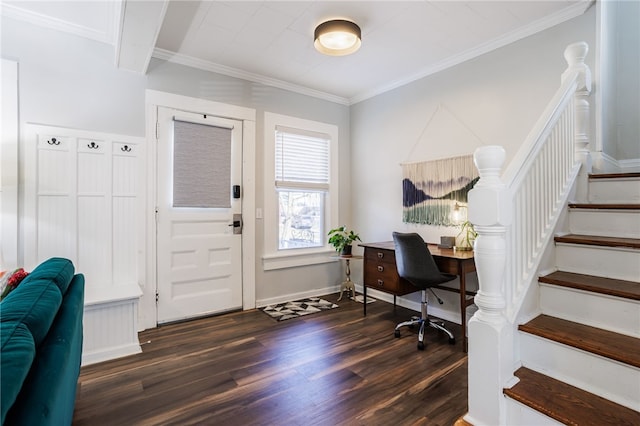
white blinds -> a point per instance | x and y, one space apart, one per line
201 165
302 159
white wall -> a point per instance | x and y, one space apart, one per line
620 85
497 96
627 81
9 165
72 82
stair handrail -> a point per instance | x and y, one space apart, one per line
514 214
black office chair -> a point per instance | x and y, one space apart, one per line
416 265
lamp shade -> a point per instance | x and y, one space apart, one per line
337 37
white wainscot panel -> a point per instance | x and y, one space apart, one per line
110 326
54 221
94 251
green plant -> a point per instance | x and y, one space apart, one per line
340 238
466 236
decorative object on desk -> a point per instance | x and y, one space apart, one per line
342 239
466 237
298 308
431 189
447 242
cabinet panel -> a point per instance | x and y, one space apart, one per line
55 168
125 230
94 240
125 175
92 174
54 221
84 191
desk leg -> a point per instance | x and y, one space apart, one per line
463 305
364 305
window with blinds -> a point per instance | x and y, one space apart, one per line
302 180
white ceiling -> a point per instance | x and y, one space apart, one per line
272 41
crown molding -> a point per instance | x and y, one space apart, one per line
190 61
522 32
24 15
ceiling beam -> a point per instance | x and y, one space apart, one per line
138 29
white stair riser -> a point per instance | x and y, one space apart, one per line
601 376
610 262
623 190
605 223
596 310
523 415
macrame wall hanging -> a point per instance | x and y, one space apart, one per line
431 189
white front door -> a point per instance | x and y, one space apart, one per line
199 250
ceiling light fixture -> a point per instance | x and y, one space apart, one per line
337 37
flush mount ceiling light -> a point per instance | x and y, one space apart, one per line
337 37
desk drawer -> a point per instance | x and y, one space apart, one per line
380 256
380 273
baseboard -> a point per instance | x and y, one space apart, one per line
632 165
604 163
110 353
462 422
451 316
297 296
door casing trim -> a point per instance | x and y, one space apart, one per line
153 100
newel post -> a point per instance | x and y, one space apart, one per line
490 333
575 55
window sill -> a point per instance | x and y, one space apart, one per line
291 260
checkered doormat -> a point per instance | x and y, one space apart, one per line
298 308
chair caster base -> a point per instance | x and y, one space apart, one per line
452 340
421 346
396 333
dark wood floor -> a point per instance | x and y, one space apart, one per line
331 368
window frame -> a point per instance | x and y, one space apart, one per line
275 258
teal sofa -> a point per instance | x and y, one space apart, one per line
41 346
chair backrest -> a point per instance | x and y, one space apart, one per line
415 263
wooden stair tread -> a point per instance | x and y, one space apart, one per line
614 175
568 404
594 240
604 206
601 285
625 349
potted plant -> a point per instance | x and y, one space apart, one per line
466 237
341 239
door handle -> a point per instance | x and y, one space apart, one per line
237 223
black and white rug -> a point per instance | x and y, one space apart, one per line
298 308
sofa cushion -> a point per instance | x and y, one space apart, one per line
57 269
18 354
57 365
36 301
26 315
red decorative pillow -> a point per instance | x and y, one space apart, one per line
10 280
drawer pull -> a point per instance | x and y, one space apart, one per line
380 268
380 283
380 255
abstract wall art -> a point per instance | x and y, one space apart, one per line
431 189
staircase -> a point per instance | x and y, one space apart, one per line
581 356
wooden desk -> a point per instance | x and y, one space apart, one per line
380 272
